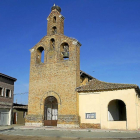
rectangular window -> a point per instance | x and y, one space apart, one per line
90 115
10 94
7 93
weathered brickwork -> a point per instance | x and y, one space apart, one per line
34 118
56 76
90 125
59 23
66 119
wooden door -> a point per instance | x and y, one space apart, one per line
15 118
50 111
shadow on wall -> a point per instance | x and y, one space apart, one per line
116 110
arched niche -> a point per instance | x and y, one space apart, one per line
40 55
116 110
52 44
64 51
54 19
54 30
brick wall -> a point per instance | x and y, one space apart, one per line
55 77
59 22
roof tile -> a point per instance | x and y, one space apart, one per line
96 85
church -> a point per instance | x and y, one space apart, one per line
62 95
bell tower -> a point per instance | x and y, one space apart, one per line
53 100
55 21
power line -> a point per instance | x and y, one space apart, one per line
21 93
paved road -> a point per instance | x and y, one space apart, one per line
6 137
70 134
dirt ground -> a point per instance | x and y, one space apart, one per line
11 137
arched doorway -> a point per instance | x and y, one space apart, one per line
50 111
116 110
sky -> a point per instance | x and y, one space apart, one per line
109 31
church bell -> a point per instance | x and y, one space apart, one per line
65 54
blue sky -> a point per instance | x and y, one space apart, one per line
109 31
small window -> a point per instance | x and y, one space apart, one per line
52 44
1 91
8 93
40 55
54 30
54 19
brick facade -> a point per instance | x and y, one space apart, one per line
56 76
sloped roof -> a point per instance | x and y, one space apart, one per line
96 85
9 77
82 73
21 106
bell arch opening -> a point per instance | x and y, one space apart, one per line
52 44
54 19
54 30
40 55
116 110
64 51
50 111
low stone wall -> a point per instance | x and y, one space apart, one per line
33 119
33 124
68 119
90 125
68 125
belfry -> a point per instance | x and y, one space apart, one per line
53 99
62 95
